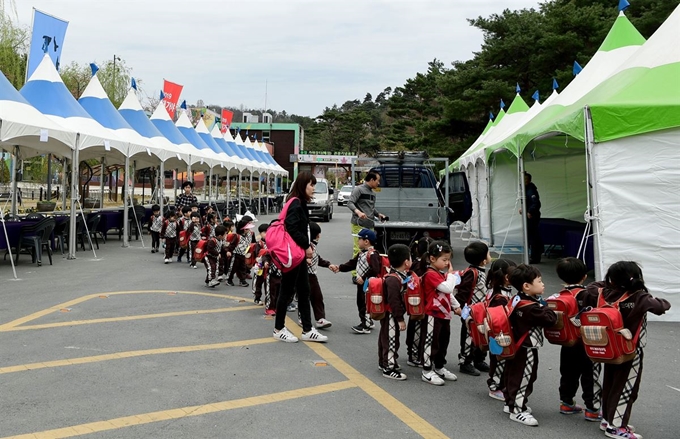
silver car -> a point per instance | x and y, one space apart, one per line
343 195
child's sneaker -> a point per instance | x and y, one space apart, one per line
153 250
220 277
445 374
468 369
496 394
525 418
213 283
167 261
593 416
414 363
482 366
243 283
257 302
570 409
432 378
370 324
361 329
269 312
323 324
394 375
229 283
621 433
285 335
506 409
314 335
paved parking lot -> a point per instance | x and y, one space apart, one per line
123 346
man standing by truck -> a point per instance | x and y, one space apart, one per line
362 205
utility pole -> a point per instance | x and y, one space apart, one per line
113 78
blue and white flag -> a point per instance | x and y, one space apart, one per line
94 68
518 89
555 84
623 5
536 96
502 104
47 37
577 68
134 84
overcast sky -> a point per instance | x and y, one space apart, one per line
311 53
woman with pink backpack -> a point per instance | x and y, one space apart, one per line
295 219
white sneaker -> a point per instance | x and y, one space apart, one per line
432 378
498 395
445 374
506 409
213 283
314 335
323 324
167 261
220 277
525 418
285 335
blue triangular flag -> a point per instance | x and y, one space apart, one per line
134 84
536 96
184 104
494 347
555 84
623 5
246 133
162 95
255 136
502 104
94 68
518 89
577 68
491 116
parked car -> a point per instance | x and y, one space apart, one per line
343 195
321 205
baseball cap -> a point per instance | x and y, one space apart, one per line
367 234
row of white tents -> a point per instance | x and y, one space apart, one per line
44 118
605 151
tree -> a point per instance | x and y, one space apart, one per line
13 50
116 80
76 77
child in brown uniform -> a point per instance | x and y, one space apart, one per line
393 323
527 321
315 294
169 234
621 382
413 328
212 257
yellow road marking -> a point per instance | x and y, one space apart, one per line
128 318
198 410
392 404
132 354
71 303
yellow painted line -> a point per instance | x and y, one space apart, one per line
392 404
198 410
133 354
71 303
129 318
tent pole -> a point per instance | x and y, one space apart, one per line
228 194
593 213
161 186
126 242
49 177
210 178
15 183
174 183
239 194
74 194
64 165
487 201
101 186
522 190
250 188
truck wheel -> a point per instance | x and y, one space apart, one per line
326 218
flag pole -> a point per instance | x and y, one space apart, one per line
28 57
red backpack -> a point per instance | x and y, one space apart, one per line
284 251
414 298
376 299
605 338
183 239
475 277
376 305
384 262
199 251
477 324
566 331
498 327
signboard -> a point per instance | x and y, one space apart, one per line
324 158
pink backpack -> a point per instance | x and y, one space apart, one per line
285 252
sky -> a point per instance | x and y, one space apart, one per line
301 55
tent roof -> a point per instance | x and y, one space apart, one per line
219 139
207 138
185 127
161 120
131 110
22 124
46 91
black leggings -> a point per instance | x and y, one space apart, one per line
296 280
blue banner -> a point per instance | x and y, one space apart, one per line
47 37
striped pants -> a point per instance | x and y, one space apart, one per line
388 343
620 387
520 374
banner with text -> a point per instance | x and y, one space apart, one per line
227 117
47 37
171 92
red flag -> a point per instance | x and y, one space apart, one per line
171 92
227 116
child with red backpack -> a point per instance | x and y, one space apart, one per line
194 235
472 289
413 328
367 263
238 259
211 257
438 283
574 362
258 272
394 285
499 294
169 233
625 286
527 317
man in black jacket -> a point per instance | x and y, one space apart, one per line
533 203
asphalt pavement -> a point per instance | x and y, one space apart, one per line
123 346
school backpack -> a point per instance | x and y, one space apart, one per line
477 324
384 262
285 253
414 298
566 331
376 305
475 277
605 338
199 251
251 254
376 297
498 326
183 239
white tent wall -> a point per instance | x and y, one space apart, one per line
484 218
637 182
506 223
471 175
559 173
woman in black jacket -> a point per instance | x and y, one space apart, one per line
297 279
